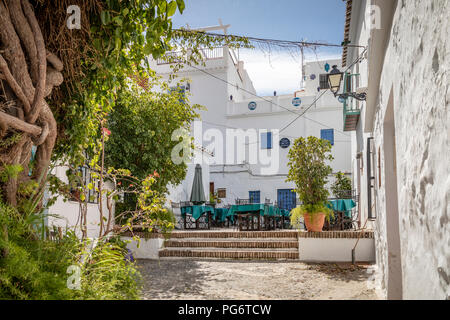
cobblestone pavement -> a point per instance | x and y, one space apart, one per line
228 280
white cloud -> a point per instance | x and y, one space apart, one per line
277 71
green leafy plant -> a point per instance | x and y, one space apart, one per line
33 266
214 198
141 129
309 171
342 186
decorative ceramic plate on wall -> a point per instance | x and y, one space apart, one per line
296 102
285 143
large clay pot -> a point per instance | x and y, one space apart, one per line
315 224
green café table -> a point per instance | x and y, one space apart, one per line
220 214
343 208
196 212
272 215
285 218
343 205
249 215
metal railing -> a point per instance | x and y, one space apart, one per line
178 56
345 194
350 105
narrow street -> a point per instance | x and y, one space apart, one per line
184 279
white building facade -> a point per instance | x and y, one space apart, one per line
257 167
400 143
67 213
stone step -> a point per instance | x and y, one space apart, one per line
230 254
207 234
233 243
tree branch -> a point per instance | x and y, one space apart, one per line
42 58
54 61
20 125
25 34
13 83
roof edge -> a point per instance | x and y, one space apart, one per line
348 15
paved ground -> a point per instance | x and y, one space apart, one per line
222 280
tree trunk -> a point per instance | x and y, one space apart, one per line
26 80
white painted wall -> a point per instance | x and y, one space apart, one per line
240 177
414 72
145 248
335 250
66 214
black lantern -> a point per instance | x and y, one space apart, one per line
334 80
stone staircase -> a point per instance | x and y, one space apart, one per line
264 245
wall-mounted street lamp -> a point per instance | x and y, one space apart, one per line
334 80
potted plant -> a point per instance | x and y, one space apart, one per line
309 170
214 198
342 186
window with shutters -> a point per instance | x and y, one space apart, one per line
222 193
266 140
348 82
254 196
85 178
323 81
327 134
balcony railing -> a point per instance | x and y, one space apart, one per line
351 107
345 194
178 56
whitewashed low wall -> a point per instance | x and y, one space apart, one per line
147 249
328 249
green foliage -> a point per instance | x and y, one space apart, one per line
119 42
106 275
121 37
35 268
309 171
214 198
32 268
10 172
141 133
7 142
342 186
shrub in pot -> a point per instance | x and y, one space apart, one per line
309 170
342 186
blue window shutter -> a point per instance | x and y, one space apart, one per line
287 199
254 196
327 134
263 141
266 140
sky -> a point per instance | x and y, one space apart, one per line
296 20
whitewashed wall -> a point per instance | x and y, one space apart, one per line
224 114
419 84
66 214
336 250
414 82
145 248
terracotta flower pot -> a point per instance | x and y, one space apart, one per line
316 223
